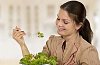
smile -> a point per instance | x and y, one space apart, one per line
61 29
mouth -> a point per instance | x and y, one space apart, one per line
61 29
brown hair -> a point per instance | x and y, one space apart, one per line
77 11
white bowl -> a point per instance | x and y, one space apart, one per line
46 64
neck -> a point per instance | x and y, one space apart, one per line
71 37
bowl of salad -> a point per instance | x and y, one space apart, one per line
38 59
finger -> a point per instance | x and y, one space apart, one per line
20 36
16 33
19 33
17 28
23 32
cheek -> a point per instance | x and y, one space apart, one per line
56 22
70 28
73 30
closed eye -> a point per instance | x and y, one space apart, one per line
65 22
58 19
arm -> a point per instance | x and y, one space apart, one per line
49 47
90 57
25 50
18 36
46 49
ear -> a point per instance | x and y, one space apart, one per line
78 26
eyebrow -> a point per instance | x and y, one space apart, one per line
57 15
63 19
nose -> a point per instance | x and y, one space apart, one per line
59 23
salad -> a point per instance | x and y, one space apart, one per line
38 59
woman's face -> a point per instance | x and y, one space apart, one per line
65 25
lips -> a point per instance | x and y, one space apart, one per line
61 29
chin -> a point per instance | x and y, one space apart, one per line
61 33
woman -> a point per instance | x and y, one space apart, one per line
73 46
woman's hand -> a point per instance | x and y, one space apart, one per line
18 35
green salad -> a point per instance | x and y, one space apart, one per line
39 59
40 34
